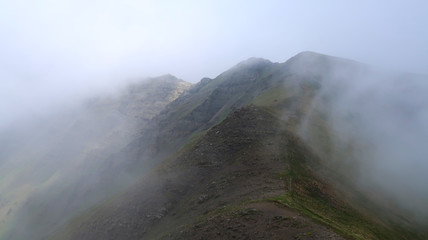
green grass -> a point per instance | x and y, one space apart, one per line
272 97
344 220
313 198
347 223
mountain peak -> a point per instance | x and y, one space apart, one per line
310 58
307 56
166 77
254 62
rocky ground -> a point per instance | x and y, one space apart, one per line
261 220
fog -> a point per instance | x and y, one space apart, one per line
371 125
56 54
54 51
56 165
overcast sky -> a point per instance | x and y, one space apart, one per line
53 49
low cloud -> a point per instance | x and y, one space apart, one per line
377 124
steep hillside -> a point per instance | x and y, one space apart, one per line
59 166
233 172
252 154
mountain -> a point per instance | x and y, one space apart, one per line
255 153
56 167
293 150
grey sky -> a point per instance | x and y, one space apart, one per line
52 50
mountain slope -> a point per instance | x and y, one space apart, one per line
236 152
234 163
65 163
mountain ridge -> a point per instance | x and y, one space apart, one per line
199 130
249 154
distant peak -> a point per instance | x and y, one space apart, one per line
310 59
306 55
168 76
253 61
309 53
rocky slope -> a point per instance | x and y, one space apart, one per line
216 179
250 155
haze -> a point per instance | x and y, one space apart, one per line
54 51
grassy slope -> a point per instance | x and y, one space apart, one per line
313 197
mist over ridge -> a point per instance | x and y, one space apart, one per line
56 51
378 125
177 120
365 124
62 162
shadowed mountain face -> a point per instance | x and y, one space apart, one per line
264 150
